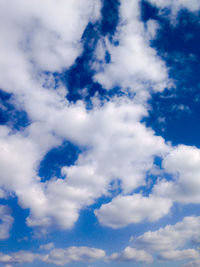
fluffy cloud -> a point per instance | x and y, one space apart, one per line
171 236
58 257
45 33
131 254
114 137
183 164
6 221
133 209
45 37
64 256
179 255
134 64
18 257
118 146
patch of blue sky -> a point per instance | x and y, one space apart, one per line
79 78
56 158
110 16
9 114
175 112
148 11
20 235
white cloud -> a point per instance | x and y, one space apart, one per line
183 163
118 145
171 236
18 257
133 209
64 256
6 222
134 64
131 254
178 255
114 137
46 33
58 257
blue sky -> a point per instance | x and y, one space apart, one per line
99 133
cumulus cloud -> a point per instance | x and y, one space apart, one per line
183 164
171 237
6 222
44 33
179 255
131 254
118 145
17 257
133 209
58 257
45 37
63 256
134 64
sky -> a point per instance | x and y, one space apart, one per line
99 133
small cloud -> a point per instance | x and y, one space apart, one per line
48 246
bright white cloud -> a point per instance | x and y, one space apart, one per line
134 64
133 209
171 237
45 33
115 137
118 145
183 163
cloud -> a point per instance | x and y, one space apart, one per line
118 146
134 64
45 37
114 137
171 237
6 222
63 256
58 257
131 254
194 263
48 246
178 255
183 164
18 257
133 209
45 33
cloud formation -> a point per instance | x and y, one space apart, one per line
133 209
6 222
118 149
183 164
